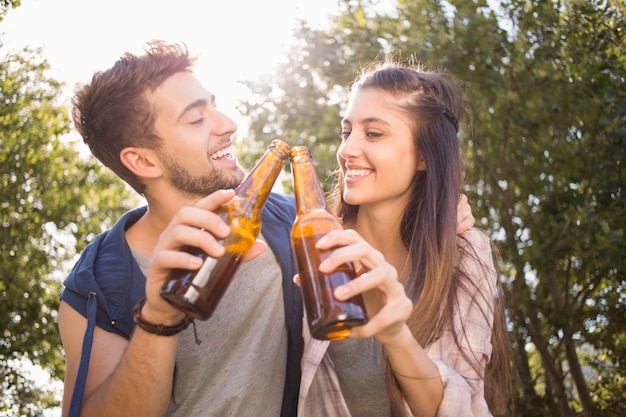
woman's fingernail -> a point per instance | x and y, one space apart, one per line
340 291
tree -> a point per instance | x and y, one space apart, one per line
52 202
5 5
304 107
545 153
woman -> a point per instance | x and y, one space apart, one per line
436 342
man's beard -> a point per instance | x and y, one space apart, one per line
202 185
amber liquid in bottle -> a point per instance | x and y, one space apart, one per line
328 318
198 292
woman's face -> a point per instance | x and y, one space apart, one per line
377 155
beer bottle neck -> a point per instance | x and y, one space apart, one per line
308 190
254 190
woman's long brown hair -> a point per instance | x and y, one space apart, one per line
435 105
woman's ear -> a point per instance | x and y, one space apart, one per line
421 166
141 162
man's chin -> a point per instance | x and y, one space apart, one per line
232 179
238 177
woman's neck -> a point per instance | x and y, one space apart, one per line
381 229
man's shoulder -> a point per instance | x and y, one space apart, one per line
282 199
280 208
106 267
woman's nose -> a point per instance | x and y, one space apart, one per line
348 148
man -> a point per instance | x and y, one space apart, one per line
152 122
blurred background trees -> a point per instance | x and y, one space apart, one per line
52 202
545 151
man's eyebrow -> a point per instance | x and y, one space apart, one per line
201 102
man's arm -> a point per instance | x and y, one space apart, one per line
134 377
125 377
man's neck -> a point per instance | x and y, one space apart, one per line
143 236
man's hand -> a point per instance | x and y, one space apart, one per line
464 217
197 226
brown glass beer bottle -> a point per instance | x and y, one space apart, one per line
327 317
197 293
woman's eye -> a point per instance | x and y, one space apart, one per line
197 121
374 135
345 134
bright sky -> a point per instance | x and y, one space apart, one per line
234 39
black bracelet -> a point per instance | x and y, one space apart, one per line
159 329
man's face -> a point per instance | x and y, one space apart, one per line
196 150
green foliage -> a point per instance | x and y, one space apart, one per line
5 5
52 202
21 396
545 148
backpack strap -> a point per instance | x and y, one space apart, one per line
81 377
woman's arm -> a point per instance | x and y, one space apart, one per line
388 308
444 375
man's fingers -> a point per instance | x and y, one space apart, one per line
257 249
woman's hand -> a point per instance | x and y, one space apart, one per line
388 306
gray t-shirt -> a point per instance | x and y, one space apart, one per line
360 368
239 368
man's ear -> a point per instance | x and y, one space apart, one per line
141 162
